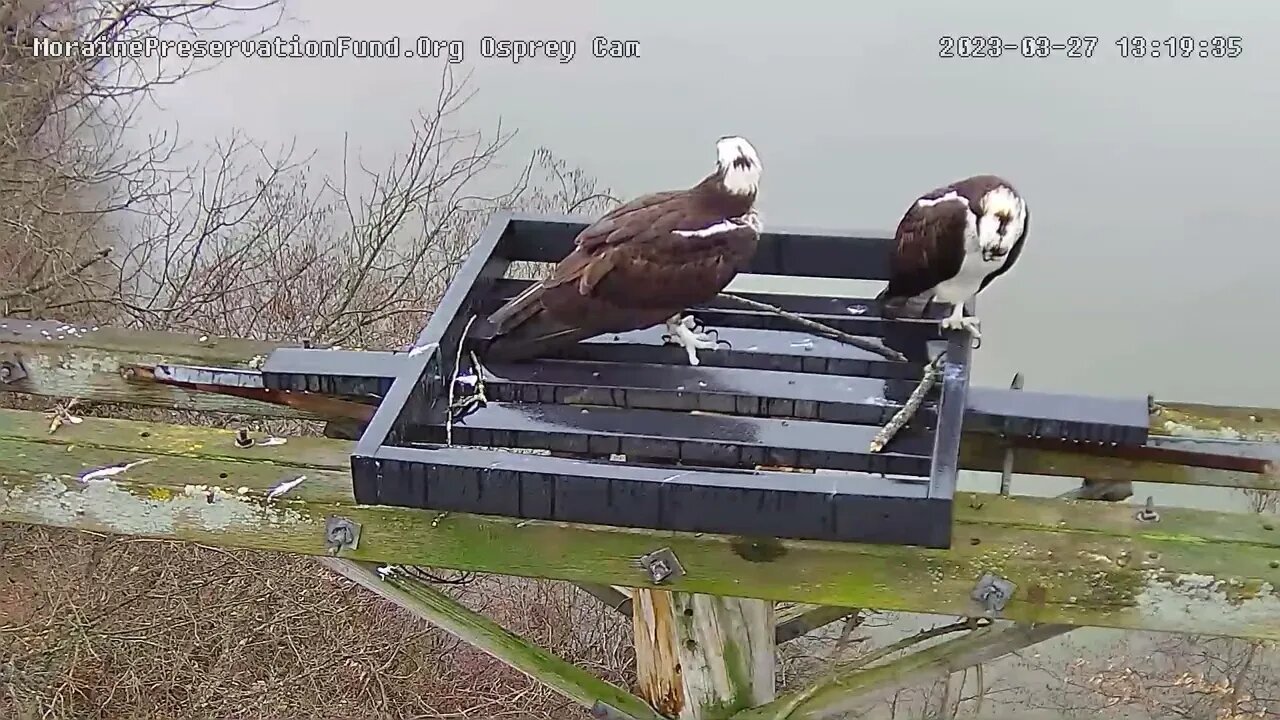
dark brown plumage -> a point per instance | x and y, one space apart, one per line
953 241
641 263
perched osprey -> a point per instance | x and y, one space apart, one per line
952 242
642 264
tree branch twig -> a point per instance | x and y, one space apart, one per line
817 327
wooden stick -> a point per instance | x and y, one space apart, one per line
912 406
834 334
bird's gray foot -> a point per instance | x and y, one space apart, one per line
957 320
681 331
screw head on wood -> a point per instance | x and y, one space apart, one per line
341 534
11 369
1148 512
993 591
662 565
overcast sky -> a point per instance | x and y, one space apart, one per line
1152 261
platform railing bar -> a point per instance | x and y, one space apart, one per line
856 316
1027 413
851 507
796 348
945 459
702 439
804 252
731 391
421 378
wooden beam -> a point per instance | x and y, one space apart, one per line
102 366
97 364
810 618
846 688
479 631
793 620
703 657
609 595
1074 562
1216 421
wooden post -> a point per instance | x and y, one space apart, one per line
703 657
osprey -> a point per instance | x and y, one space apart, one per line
642 264
951 243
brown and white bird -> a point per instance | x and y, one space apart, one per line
951 243
642 264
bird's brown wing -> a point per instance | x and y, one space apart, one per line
628 270
637 259
929 248
584 257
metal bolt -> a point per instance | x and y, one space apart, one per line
242 439
1148 512
11 369
993 592
1006 469
605 711
662 565
341 534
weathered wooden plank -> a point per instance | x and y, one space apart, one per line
792 620
92 365
479 631
703 657
1074 562
807 619
1216 421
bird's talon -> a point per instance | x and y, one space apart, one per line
728 345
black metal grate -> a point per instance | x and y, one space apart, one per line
694 438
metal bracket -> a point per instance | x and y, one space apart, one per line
993 592
11 369
341 534
605 711
662 566
1148 512
1006 469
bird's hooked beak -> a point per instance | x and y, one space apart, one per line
997 250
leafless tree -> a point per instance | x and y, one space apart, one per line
1171 676
68 170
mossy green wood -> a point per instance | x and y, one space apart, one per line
845 689
1077 562
94 365
76 361
479 631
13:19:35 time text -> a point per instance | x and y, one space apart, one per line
1085 46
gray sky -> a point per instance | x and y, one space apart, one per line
1152 258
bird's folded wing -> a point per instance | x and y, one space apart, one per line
929 248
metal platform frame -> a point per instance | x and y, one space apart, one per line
781 397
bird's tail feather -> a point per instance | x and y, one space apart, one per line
896 307
537 335
517 309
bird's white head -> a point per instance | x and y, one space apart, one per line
738 164
1001 220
